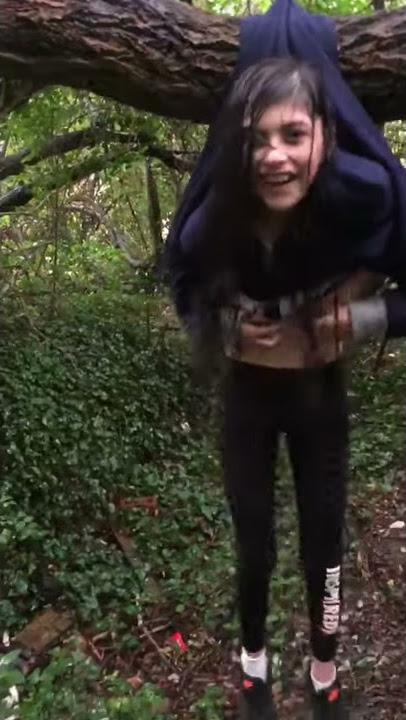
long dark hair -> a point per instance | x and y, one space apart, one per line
235 208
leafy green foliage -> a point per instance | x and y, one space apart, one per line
94 410
60 691
378 422
210 705
97 408
99 404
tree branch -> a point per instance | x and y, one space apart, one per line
118 237
88 138
172 59
22 194
15 92
154 210
17 197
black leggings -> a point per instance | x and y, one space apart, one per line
310 408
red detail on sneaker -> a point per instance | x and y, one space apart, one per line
333 695
247 684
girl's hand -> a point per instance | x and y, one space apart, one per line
259 334
334 325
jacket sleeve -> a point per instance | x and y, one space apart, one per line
380 315
394 260
384 253
184 260
395 301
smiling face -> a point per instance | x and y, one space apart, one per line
287 153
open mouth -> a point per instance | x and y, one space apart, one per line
277 180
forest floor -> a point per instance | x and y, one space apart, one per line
372 654
173 642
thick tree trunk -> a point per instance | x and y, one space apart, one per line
172 59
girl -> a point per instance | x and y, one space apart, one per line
262 278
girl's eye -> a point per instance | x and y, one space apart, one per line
294 136
259 140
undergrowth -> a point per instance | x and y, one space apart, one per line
100 405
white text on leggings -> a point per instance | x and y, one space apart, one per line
331 601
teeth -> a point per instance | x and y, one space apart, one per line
278 179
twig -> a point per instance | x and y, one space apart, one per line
380 355
158 629
191 670
153 642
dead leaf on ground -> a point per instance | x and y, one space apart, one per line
44 630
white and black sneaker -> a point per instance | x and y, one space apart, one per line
328 704
256 701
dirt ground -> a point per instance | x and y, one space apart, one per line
372 654
371 659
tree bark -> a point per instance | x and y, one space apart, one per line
172 59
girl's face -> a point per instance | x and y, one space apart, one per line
288 151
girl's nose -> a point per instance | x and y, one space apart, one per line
275 155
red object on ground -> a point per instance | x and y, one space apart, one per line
178 639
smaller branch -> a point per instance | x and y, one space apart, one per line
138 224
14 93
4 145
117 237
145 632
378 5
22 194
16 197
154 210
88 138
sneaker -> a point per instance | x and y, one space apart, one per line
256 700
328 704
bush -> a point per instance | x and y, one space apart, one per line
73 686
93 411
